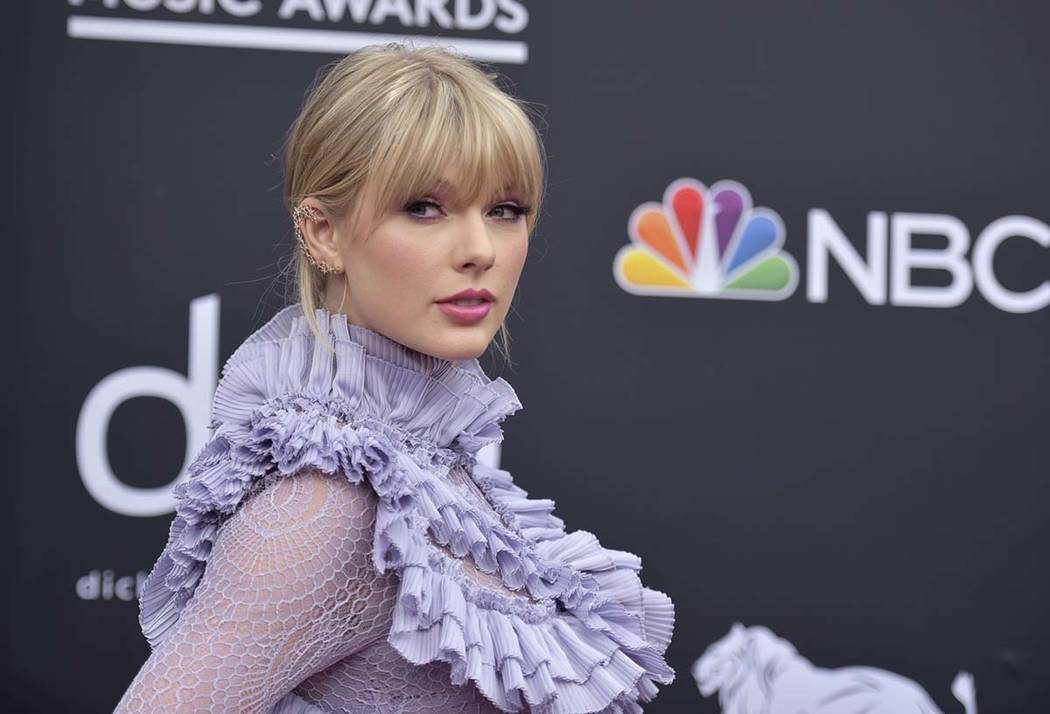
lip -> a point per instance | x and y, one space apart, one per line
464 313
468 314
471 294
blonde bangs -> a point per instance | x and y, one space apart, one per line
486 144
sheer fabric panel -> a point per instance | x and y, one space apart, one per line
289 590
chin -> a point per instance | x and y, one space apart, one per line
470 343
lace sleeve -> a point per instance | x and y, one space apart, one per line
289 590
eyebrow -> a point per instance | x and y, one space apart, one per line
445 185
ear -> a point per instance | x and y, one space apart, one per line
319 234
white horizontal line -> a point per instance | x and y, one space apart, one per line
278 38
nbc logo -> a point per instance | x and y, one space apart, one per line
702 242
712 242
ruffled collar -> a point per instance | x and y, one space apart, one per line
590 637
437 408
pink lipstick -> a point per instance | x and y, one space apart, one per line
468 306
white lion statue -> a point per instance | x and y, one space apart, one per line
756 672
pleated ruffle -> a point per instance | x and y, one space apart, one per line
584 635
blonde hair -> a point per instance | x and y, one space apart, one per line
390 120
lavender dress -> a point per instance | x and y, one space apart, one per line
339 548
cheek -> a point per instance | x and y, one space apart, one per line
405 263
516 252
391 267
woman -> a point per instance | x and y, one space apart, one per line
338 547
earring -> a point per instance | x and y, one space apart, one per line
303 211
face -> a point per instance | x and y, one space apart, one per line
419 255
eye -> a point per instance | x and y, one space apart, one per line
512 211
412 208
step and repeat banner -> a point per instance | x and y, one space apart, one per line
783 332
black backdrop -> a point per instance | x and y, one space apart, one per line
866 478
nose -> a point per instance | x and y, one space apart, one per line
475 249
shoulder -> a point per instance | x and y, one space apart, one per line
308 495
302 523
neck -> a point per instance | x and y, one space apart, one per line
363 376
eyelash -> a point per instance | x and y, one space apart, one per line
518 211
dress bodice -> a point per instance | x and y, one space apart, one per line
474 592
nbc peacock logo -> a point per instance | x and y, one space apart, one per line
706 242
